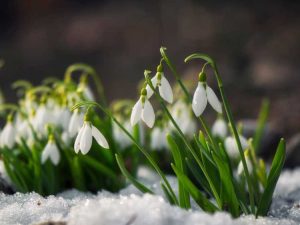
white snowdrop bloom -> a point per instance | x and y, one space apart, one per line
51 152
163 85
143 110
86 90
232 147
65 136
62 117
8 135
23 130
182 114
29 104
240 169
158 139
219 128
43 116
85 136
76 122
204 94
120 137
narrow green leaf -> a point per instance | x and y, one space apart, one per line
199 198
229 197
184 198
134 181
100 167
261 123
274 174
78 177
167 194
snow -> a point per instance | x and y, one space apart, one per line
130 206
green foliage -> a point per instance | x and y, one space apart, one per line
220 173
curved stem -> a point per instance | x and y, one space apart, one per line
89 70
230 119
213 188
188 96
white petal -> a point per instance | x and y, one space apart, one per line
219 128
88 93
86 139
75 123
199 100
148 115
99 137
136 112
240 169
78 139
149 89
231 147
165 90
9 135
213 99
54 155
244 142
46 152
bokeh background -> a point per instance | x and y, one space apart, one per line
256 44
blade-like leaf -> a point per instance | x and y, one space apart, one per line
199 198
134 181
261 123
228 192
184 199
274 174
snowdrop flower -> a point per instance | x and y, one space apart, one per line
163 85
219 128
232 147
204 94
143 110
51 152
182 114
240 169
8 135
75 122
85 136
43 116
158 139
65 137
62 117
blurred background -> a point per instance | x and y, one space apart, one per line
256 46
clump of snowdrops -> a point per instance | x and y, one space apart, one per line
216 167
37 141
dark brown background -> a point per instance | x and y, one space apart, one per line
256 46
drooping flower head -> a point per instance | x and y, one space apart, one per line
143 110
84 139
164 87
8 134
51 151
232 147
219 128
75 122
204 94
240 169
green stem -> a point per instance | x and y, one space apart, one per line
230 119
93 74
188 96
215 193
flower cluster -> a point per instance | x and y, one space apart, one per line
56 129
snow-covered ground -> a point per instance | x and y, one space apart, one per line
130 207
